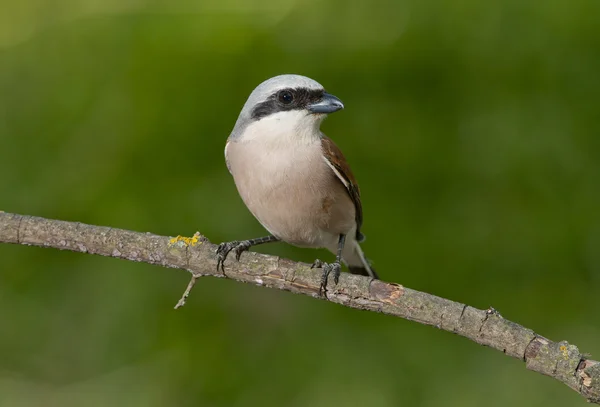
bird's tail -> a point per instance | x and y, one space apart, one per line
356 260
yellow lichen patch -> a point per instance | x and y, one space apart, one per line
187 241
565 351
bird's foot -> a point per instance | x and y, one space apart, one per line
226 247
327 268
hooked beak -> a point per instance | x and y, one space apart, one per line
328 104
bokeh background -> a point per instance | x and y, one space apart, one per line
473 128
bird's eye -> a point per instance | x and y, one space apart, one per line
285 97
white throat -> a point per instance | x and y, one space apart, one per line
291 128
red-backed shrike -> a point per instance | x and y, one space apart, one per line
292 177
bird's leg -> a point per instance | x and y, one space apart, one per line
335 268
239 247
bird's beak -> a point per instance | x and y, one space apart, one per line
327 104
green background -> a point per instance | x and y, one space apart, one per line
473 128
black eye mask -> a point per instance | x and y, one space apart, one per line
286 100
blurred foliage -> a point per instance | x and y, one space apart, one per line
472 127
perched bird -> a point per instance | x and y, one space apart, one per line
293 178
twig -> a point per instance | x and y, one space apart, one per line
186 293
559 360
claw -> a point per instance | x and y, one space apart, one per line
222 253
328 268
337 270
225 248
241 248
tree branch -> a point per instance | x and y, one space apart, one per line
559 360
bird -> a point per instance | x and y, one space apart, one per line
294 179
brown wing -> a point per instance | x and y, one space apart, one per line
342 170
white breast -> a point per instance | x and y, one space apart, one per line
280 173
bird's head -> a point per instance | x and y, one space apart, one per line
287 103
